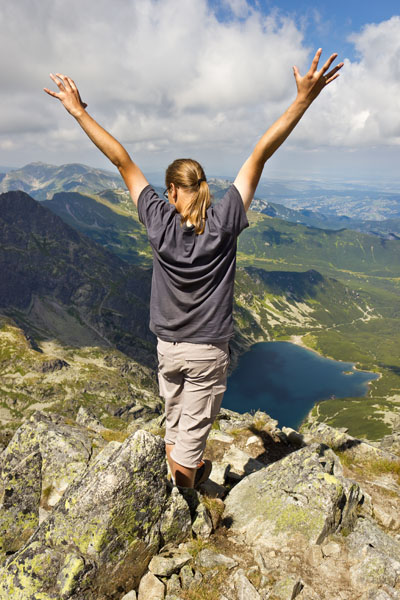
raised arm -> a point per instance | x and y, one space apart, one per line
115 152
308 88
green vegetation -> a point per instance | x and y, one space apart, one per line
338 290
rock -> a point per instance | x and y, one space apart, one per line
253 439
20 490
186 576
169 562
210 559
151 588
376 569
86 418
219 472
339 440
220 436
192 498
314 556
387 515
49 366
130 596
229 420
211 489
294 437
173 585
261 562
331 549
287 588
136 411
65 451
102 534
367 534
307 593
299 494
378 552
245 590
202 524
241 463
385 593
176 523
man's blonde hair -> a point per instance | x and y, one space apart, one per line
189 174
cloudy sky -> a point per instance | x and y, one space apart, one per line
203 78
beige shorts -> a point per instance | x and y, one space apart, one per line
192 380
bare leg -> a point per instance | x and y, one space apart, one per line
184 477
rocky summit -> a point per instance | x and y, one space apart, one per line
285 514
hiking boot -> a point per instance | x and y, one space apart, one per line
203 472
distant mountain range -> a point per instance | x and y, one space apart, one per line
324 211
346 206
42 181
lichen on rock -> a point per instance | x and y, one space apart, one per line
301 494
103 533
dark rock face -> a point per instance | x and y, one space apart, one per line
43 259
49 366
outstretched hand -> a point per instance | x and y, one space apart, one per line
313 82
68 94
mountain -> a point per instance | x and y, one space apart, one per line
388 228
109 219
65 284
276 241
41 180
305 202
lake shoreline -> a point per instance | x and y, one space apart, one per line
310 418
298 341
287 380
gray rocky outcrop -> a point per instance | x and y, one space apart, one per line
296 528
88 419
304 494
65 450
102 535
339 439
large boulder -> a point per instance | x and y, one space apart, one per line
99 539
65 450
304 494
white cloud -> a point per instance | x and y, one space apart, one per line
363 107
168 78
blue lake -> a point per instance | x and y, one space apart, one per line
286 380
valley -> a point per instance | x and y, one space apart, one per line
335 291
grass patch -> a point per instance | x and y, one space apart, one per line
114 423
384 466
367 468
344 458
196 545
160 431
114 436
207 590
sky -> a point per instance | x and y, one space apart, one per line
203 79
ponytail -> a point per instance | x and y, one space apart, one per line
189 174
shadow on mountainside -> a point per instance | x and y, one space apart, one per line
61 285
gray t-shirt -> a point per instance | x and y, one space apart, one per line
193 275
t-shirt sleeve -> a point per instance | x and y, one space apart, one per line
230 212
152 209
